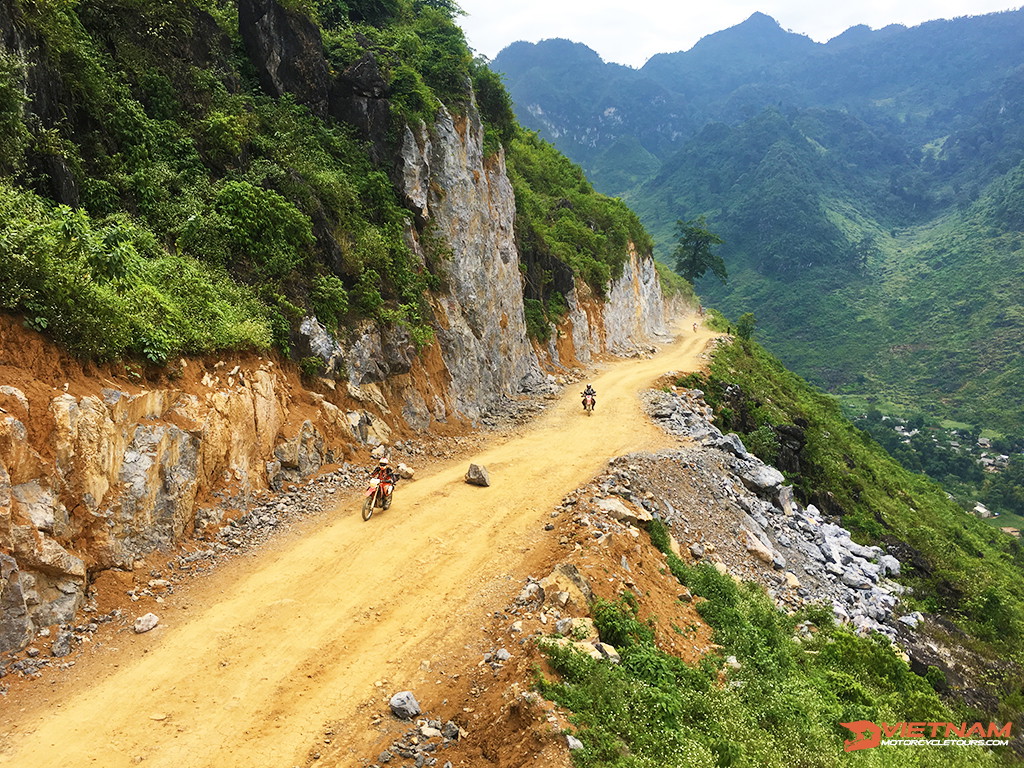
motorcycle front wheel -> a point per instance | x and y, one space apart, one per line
368 507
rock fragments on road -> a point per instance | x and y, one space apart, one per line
421 744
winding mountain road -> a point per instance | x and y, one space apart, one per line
297 637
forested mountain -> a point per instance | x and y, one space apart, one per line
865 188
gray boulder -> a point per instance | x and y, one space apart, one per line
478 475
730 443
890 565
912 620
762 479
404 705
855 579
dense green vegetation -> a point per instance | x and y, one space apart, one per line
157 201
868 192
197 167
782 707
106 288
559 214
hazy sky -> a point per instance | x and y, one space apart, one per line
632 32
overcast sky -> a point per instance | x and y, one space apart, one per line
631 32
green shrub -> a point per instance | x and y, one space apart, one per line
745 326
495 106
537 325
311 367
265 233
559 214
12 124
107 289
329 299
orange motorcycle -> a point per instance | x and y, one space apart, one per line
377 495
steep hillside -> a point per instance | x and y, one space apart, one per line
246 152
250 247
265 238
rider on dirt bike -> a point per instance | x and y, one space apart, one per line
384 472
593 396
382 486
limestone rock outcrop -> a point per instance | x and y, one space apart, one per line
96 477
287 52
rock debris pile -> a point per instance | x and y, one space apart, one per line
269 511
421 745
62 641
732 508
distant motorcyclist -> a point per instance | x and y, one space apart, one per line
591 393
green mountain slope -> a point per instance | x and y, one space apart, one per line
856 185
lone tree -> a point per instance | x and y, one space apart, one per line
693 253
745 326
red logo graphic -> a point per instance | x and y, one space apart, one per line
868 735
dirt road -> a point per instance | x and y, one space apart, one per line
251 677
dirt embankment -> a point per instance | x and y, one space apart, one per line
102 465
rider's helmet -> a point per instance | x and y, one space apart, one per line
383 461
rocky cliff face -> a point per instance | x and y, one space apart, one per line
96 471
467 201
464 208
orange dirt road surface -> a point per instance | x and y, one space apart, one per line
251 676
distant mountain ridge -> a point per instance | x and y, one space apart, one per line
729 74
850 179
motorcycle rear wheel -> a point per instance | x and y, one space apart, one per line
368 506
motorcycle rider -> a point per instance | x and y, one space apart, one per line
384 472
382 487
589 391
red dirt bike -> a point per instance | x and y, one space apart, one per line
588 404
378 494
